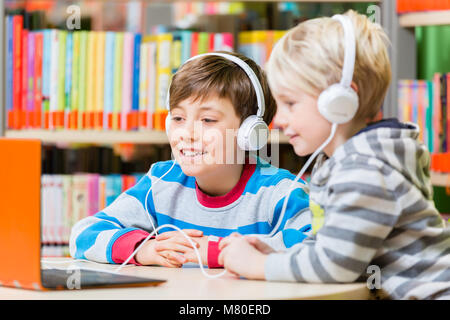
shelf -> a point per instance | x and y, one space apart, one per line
98 137
426 18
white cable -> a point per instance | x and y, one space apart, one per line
299 175
155 231
148 192
186 236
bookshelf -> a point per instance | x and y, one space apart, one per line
100 137
429 18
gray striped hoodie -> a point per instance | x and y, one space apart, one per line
373 210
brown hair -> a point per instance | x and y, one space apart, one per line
209 75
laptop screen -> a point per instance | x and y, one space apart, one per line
20 174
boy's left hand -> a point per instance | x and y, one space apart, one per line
244 256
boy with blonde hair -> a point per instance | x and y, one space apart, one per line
370 191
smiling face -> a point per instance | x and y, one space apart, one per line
202 134
299 118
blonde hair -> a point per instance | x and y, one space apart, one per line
310 57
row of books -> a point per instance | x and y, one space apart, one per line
258 45
427 103
67 199
58 79
404 6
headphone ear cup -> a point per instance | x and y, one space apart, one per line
338 104
167 123
252 134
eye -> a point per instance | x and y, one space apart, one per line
289 104
208 120
177 118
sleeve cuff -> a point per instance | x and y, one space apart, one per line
124 246
277 267
213 252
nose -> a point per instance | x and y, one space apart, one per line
192 131
280 119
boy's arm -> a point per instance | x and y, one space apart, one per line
295 225
359 217
111 235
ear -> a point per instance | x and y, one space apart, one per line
354 87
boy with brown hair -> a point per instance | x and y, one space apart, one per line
206 191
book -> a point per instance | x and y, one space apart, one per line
108 79
60 106
9 71
54 78
75 82
38 80
68 80
127 79
99 88
163 76
90 80
117 97
30 81
134 115
17 26
82 79
46 58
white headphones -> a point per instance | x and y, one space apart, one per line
339 102
253 132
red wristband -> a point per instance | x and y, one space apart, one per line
213 252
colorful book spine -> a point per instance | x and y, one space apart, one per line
447 90
59 115
99 80
151 86
176 51
203 42
68 80
24 78
437 125
90 80
46 79
74 96
17 71
9 72
163 75
54 79
30 82
127 79
134 121
143 84
118 58
82 80
108 79
38 70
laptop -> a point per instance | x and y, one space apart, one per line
20 228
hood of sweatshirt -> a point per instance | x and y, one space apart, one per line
397 145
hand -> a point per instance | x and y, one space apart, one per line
191 256
165 249
239 256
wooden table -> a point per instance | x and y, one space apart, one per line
188 283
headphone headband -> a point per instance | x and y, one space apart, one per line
350 49
244 66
